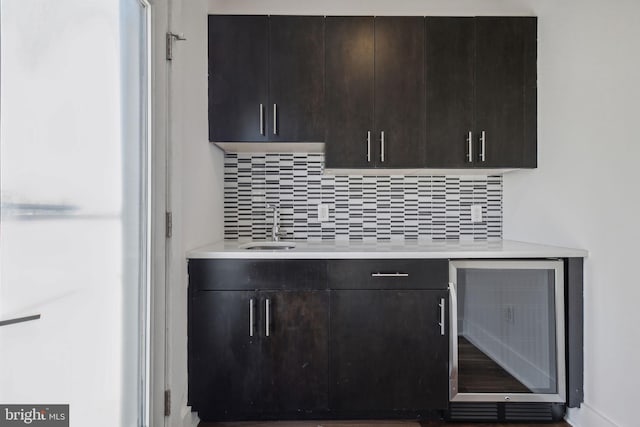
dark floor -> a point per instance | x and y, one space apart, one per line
370 423
477 373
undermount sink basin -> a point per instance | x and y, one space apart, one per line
268 245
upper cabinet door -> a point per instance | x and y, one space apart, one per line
296 78
481 92
238 78
399 91
450 48
506 91
349 137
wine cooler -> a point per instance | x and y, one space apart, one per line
507 332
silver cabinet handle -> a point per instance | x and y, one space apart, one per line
368 146
441 316
19 320
469 147
389 274
261 119
275 119
483 138
251 314
267 306
382 146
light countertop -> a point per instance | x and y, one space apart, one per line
450 249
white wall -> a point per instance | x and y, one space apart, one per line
582 194
585 192
196 197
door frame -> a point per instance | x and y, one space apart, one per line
159 117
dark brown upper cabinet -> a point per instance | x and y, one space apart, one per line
349 45
375 92
238 78
506 91
450 55
266 78
383 92
481 92
296 78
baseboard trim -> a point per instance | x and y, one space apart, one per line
586 416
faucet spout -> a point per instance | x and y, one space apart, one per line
275 229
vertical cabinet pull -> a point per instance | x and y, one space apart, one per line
261 119
267 315
483 138
251 314
441 323
382 146
469 147
369 146
275 119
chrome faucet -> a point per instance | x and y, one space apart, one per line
275 229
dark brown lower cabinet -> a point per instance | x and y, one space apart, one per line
307 346
388 351
252 354
294 362
224 369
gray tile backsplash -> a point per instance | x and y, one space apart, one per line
392 207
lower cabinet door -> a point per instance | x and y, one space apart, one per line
388 351
295 336
224 354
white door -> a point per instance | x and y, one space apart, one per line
74 205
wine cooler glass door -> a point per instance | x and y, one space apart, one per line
507 331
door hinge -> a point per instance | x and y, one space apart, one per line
170 38
168 224
167 403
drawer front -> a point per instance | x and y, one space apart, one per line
388 274
246 274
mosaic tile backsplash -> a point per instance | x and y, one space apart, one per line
365 208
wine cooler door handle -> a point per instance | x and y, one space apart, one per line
453 341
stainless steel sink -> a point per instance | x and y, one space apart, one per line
266 245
